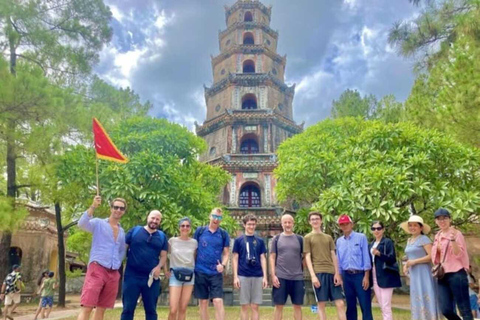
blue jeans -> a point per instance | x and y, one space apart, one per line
352 287
132 288
454 287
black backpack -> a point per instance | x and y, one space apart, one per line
202 230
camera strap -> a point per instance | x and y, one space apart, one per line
247 244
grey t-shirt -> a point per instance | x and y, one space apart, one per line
289 261
182 252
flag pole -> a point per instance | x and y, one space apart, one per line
96 173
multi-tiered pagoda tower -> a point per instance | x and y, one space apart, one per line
249 112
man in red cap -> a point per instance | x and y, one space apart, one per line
354 264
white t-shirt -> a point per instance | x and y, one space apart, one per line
375 245
182 254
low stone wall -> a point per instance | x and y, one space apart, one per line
74 285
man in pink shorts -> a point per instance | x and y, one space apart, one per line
108 250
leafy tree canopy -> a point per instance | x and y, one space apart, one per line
448 97
163 173
368 107
373 170
429 35
62 37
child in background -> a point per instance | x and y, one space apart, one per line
472 286
48 289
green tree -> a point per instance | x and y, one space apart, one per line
389 110
429 35
62 38
372 170
163 173
352 104
108 104
448 97
32 111
368 107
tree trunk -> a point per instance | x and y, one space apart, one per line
61 256
6 239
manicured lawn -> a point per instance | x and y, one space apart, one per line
266 313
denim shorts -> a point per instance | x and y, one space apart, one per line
173 282
47 301
474 303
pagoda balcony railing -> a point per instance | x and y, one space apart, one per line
249 49
246 159
248 25
249 79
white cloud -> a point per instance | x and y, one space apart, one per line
310 85
161 49
116 12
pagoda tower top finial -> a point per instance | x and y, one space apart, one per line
242 5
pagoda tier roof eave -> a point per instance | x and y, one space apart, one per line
230 117
248 26
247 5
249 80
249 49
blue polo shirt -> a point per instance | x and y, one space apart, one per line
257 248
210 249
144 251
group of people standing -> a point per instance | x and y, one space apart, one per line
447 288
345 270
196 262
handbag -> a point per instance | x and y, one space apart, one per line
183 274
437 270
389 267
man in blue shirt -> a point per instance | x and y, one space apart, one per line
354 264
108 250
249 268
211 261
147 253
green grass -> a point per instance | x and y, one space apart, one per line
266 313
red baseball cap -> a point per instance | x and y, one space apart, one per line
344 219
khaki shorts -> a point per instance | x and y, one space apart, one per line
12 298
251 290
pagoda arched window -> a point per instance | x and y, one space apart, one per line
248 38
250 196
248 17
249 146
249 102
248 66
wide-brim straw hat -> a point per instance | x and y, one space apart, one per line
417 219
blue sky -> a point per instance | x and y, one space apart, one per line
162 48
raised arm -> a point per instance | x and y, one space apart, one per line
86 222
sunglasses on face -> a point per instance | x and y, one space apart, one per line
185 226
118 208
376 228
217 217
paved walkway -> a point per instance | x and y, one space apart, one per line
60 314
